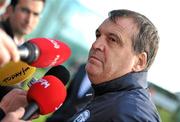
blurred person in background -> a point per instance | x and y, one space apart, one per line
22 18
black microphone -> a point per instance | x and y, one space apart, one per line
59 71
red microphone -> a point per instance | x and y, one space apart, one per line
44 52
45 96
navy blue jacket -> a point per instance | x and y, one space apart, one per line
124 99
73 102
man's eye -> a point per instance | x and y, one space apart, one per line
112 39
25 10
36 14
97 35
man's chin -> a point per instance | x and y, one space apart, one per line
26 31
91 68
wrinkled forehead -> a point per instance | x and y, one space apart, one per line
127 23
123 25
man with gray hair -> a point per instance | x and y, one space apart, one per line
125 47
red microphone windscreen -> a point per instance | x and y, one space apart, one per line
52 52
49 93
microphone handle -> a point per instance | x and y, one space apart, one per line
23 51
31 109
29 52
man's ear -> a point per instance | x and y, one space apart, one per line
141 62
7 13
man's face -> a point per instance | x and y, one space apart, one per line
25 16
111 55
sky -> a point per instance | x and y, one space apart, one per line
166 17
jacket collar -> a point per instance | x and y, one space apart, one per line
127 82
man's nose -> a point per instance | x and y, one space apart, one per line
99 44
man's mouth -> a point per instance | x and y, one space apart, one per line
94 58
